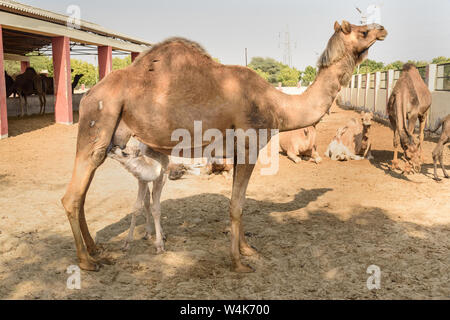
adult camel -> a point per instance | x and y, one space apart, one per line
176 83
410 100
29 83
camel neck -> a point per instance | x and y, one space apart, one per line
300 111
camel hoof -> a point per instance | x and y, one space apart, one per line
437 179
243 268
97 250
160 250
248 251
447 177
89 266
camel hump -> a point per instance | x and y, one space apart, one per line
173 42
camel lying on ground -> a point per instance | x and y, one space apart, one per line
26 84
147 166
410 100
177 83
352 142
438 152
301 142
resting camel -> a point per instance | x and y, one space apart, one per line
438 152
301 142
410 100
29 83
352 142
147 166
176 83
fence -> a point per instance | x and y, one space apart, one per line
371 91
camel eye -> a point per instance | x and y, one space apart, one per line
365 33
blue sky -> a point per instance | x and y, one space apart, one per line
418 29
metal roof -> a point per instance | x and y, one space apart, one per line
45 15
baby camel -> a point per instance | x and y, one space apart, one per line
352 142
147 166
301 142
439 149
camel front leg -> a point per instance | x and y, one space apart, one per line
156 211
291 155
241 177
396 145
422 122
73 202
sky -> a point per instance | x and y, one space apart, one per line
418 29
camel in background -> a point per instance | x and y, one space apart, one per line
9 83
410 100
352 142
49 86
177 82
438 152
301 142
26 84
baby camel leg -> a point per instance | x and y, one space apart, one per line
156 211
138 207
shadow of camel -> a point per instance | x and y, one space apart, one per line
18 126
383 159
316 254
301 200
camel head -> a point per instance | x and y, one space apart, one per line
366 118
412 155
352 42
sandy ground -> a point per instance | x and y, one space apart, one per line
317 227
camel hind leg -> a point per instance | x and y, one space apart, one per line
96 128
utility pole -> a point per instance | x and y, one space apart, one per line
287 50
246 61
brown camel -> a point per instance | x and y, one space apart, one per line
176 83
9 82
410 100
438 152
49 86
301 142
29 83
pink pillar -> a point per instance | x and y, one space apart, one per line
24 65
134 55
104 61
3 109
62 80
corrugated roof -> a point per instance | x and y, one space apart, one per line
45 15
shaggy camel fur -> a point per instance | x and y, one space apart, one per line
29 83
410 100
301 142
147 166
352 142
438 152
176 83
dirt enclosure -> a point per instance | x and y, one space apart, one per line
317 227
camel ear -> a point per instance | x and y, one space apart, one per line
337 26
346 27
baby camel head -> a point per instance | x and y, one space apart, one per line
351 41
366 119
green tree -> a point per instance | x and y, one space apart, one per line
12 67
369 66
309 75
289 77
440 60
42 63
89 71
120 63
268 66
